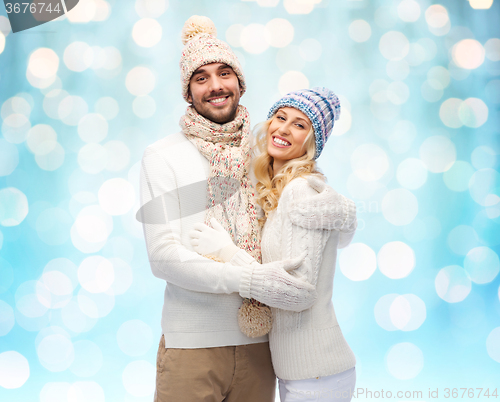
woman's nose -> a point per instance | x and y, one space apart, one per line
284 129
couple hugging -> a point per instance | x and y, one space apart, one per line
249 274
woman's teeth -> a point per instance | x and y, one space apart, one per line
280 142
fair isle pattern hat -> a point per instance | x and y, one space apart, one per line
319 104
199 36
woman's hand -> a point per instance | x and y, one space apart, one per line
212 241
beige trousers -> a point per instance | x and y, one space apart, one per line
242 373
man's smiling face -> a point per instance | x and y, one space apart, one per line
214 91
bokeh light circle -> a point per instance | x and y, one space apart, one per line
404 361
78 56
280 32
134 338
473 112
310 49
369 162
14 370
7 320
43 63
41 139
483 184
482 264
360 31
71 110
93 128
13 206
95 305
82 391
15 128
139 378
118 155
483 157
452 284
394 45
9 157
54 392
291 81
144 106
150 8
457 178
96 274
399 207
52 160
254 38
438 153
140 81
116 196
411 173
493 344
147 32
396 260
358 262
88 359
468 54
107 107
492 49
462 238
409 10
92 158
55 352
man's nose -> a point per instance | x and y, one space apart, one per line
215 83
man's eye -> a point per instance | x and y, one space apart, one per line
200 79
225 73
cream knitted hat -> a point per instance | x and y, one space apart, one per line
202 47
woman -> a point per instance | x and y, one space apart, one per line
303 217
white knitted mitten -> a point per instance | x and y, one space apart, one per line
271 284
216 242
325 210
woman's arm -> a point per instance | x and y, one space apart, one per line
304 205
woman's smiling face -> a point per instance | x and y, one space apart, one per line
286 135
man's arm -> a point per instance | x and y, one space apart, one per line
169 259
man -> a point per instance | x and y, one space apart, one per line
203 356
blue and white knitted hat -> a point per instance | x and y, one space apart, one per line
319 104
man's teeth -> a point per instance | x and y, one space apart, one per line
218 100
280 142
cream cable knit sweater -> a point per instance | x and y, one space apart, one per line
308 343
201 298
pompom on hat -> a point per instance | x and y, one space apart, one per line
319 104
199 36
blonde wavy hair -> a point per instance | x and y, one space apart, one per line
270 185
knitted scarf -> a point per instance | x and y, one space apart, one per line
227 148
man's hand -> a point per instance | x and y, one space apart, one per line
212 241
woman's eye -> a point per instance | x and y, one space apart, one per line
300 126
281 118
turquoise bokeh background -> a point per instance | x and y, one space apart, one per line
417 292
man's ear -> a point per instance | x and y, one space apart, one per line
189 97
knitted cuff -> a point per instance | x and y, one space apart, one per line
246 280
232 275
349 209
227 252
242 258
255 281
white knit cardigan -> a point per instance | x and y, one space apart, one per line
308 343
